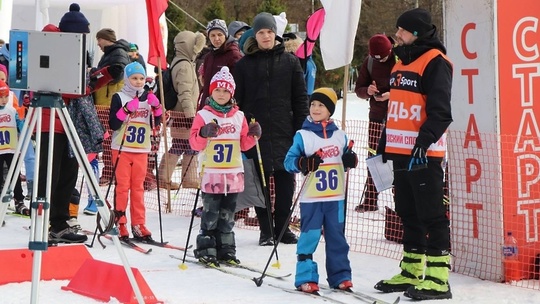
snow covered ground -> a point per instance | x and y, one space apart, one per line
197 284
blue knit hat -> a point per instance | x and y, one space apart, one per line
74 21
134 68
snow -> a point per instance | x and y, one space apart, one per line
197 284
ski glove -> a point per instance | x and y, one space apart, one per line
127 109
309 164
209 130
418 158
349 159
254 129
153 101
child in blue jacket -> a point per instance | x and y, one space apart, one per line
320 147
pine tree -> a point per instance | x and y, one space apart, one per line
216 10
175 24
274 7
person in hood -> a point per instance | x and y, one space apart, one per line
270 87
187 45
237 28
223 52
420 111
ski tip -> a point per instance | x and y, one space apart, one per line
397 300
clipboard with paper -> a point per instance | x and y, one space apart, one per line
381 172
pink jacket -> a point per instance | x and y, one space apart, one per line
226 182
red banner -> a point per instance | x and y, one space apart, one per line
156 51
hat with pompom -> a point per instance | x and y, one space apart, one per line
217 24
4 89
74 21
327 96
223 79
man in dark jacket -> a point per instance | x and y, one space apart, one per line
419 112
373 83
270 87
114 52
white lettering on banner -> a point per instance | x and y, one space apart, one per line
524 25
528 173
530 209
528 136
526 73
405 82
397 110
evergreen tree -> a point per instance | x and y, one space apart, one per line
274 7
175 24
216 10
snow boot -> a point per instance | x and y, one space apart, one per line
123 231
435 284
164 179
91 208
206 248
345 285
140 232
412 269
21 208
189 172
309 287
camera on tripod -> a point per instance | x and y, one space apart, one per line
47 62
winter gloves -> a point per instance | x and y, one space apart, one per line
210 129
254 129
103 76
155 104
418 158
127 109
311 163
349 159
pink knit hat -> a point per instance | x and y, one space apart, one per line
223 79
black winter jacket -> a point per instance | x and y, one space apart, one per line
115 54
270 87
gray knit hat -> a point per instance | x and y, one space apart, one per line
217 24
264 21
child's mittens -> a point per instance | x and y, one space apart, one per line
254 130
127 109
209 130
309 164
153 101
349 159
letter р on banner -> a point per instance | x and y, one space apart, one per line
381 173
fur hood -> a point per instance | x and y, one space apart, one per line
292 43
188 44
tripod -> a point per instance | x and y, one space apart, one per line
40 206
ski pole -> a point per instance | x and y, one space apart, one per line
258 281
98 217
349 148
183 266
154 151
266 197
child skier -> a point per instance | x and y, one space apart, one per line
10 125
221 131
320 147
130 119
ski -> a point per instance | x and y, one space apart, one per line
312 295
221 269
159 244
359 295
123 241
246 267
253 269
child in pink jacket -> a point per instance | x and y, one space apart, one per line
220 130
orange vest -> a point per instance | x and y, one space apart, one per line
406 107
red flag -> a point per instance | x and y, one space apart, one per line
314 24
154 10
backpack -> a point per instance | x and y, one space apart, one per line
169 92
